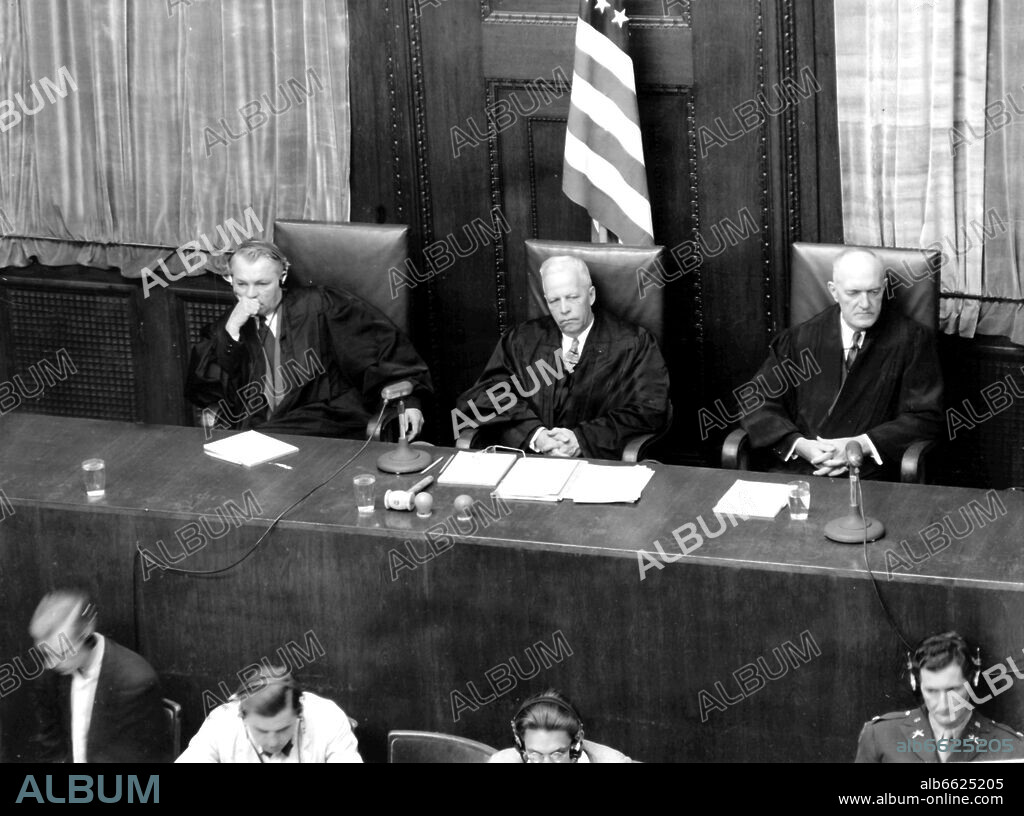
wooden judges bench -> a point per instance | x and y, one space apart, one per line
550 593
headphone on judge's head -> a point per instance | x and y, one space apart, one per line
934 643
262 249
546 697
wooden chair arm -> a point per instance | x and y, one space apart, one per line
736 451
912 466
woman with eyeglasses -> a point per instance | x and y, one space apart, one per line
547 728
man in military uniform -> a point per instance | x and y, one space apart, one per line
943 670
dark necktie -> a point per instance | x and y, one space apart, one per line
851 355
272 362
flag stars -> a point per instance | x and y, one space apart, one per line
602 5
620 18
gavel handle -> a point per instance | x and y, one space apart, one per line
426 481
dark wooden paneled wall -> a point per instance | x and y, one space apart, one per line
458 118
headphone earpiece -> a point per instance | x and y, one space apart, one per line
974 658
575 748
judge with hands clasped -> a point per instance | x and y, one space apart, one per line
610 382
877 381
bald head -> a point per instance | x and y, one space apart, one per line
857 285
568 293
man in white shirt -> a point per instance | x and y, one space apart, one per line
101 702
271 720
576 382
872 377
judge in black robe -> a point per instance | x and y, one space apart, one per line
336 353
618 389
892 393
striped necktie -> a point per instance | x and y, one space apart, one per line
572 357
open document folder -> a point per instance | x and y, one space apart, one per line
544 479
250 448
762 500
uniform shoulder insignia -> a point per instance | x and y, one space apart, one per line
1007 729
892 715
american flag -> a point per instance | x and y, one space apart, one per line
604 167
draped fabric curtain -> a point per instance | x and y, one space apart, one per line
922 164
128 129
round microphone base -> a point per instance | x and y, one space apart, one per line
850 530
403 459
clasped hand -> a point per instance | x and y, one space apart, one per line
559 442
828 455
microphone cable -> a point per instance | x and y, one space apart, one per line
219 571
867 565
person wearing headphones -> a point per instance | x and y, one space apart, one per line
943 672
547 728
299 360
270 719
100 702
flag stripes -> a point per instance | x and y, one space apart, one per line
604 168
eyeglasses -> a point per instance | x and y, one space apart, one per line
555 756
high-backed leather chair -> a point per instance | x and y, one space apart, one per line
912 287
615 271
433 747
354 257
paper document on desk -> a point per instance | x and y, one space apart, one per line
761 500
249 449
477 468
608 484
537 479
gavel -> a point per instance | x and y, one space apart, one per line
403 499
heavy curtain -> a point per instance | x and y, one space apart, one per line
926 160
128 129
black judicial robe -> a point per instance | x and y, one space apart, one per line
619 389
334 393
893 393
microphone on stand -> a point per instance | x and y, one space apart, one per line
852 528
403 459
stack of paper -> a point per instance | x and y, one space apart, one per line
477 468
605 484
249 448
537 479
753 499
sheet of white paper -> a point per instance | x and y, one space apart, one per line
606 484
537 479
753 499
249 448
477 468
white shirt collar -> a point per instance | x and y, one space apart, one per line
847 334
567 340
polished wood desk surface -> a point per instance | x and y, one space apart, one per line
163 470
